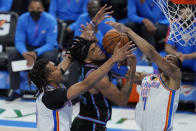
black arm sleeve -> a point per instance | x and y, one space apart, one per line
55 99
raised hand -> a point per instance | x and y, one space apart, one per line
120 54
101 15
131 61
88 33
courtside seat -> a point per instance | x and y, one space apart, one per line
8 21
61 28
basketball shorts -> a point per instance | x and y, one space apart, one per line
84 125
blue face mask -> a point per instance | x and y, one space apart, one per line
35 15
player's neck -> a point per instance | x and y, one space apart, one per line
54 84
164 77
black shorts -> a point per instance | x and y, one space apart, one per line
85 125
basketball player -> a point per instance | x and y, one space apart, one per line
53 106
95 107
159 93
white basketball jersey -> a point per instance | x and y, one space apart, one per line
157 105
53 120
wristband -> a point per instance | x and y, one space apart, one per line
92 24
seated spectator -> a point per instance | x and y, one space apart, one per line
36 37
67 10
5 5
147 20
93 7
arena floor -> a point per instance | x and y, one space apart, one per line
20 116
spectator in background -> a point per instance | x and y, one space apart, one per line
93 7
67 10
5 5
147 20
36 37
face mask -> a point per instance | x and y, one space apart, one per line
35 15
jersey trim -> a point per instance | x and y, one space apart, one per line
56 120
91 119
89 65
108 111
163 84
89 72
169 110
97 110
94 126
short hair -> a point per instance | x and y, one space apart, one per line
38 74
79 49
179 63
35 1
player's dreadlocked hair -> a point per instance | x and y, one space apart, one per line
38 75
80 48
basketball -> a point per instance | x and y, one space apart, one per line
112 38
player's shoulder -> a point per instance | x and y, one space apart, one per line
55 98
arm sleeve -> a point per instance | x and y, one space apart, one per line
51 38
55 99
6 5
53 8
132 13
20 36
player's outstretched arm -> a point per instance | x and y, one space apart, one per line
110 91
150 52
80 87
87 30
126 90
